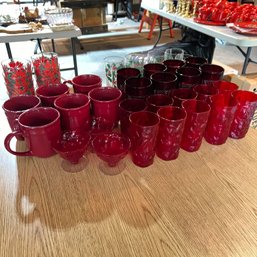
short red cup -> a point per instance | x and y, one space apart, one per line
164 82
75 111
151 68
212 72
84 83
40 128
48 94
105 103
126 107
188 77
155 102
204 92
181 94
15 106
138 88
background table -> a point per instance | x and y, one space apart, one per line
220 32
46 33
203 204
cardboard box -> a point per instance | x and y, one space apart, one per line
88 17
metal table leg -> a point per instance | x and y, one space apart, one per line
8 49
53 45
160 31
73 48
247 60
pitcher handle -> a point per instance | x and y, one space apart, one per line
7 143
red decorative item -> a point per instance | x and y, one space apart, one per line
46 68
18 77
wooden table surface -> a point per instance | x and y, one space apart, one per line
202 204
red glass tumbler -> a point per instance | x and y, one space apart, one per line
181 94
196 121
223 108
204 92
138 87
155 102
152 68
143 133
172 121
247 104
126 107
188 77
212 72
105 105
164 82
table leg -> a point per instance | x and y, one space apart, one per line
8 49
73 48
247 60
160 31
53 45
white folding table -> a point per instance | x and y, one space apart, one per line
220 32
45 33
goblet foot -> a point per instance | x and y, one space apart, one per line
74 167
112 170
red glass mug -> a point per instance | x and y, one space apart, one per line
15 106
40 127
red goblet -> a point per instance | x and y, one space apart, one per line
111 148
71 146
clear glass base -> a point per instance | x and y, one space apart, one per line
112 170
74 167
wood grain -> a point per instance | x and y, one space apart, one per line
202 204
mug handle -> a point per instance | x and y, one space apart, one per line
7 142
67 82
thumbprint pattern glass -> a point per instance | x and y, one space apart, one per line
246 106
223 108
204 92
126 107
155 102
181 94
196 121
143 133
172 121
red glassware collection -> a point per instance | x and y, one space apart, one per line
145 123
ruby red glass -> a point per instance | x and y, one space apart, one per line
223 108
247 104
196 121
143 133
172 121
